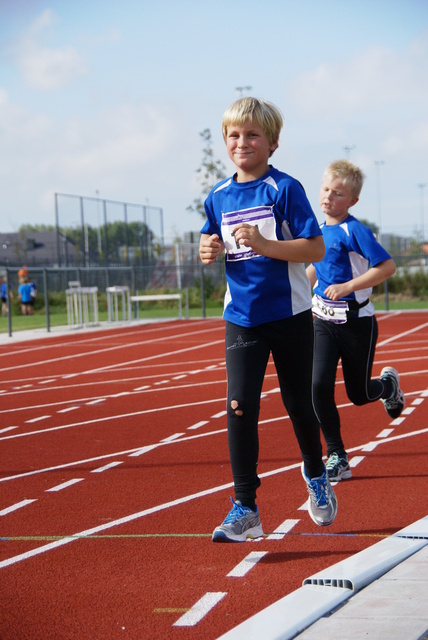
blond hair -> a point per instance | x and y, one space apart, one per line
263 113
351 175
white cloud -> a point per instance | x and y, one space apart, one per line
47 68
374 78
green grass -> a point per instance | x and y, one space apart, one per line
58 319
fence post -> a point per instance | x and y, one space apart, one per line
45 286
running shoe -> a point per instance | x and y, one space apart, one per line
394 405
322 503
338 468
240 523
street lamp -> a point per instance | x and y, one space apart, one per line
421 187
378 164
348 149
240 90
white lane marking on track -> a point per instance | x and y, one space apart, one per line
115 417
397 421
385 433
246 564
174 436
135 516
16 506
401 335
417 401
92 354
200 609
355 460
407 411
64 485
106 467
7 429
370 446
220 414
198 424
140 452
46 381
38 419
281 531
67 409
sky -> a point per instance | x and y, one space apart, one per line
107 99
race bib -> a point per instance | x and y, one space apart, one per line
330 310
261 217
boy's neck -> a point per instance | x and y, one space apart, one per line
329 220
244 176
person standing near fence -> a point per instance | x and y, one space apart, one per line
261 218
27 293
345 325
6 296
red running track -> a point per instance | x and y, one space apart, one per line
115 471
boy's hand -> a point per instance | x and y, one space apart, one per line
248 235
337 291
210 247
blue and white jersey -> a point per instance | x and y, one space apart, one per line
350 250
261 289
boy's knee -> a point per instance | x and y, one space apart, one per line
234 405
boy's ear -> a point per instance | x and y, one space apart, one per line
274 146
353 201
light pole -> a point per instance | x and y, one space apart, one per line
348 149
240 90
421 187
378 164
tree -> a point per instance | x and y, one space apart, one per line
209 173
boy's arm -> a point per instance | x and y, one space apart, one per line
210 247
372 277
312 276
297 250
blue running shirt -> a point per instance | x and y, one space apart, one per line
261 289
350 250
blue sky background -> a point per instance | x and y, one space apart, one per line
110 97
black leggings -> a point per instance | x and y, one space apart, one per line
247 354
354 343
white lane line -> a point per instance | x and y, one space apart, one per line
47 381
16 506
174 436
417 401
401 335
140 452
407 411
37 419
64 485
97 401
370 446
385 433
397 421
247 564
200 609
7 429
198 424
106 467
67 409
281 531
355 460
219 415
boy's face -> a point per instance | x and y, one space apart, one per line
249 149
335 199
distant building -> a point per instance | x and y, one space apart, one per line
34 248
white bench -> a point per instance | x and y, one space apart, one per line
161 296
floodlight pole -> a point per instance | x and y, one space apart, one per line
378 164
421 187
348 149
